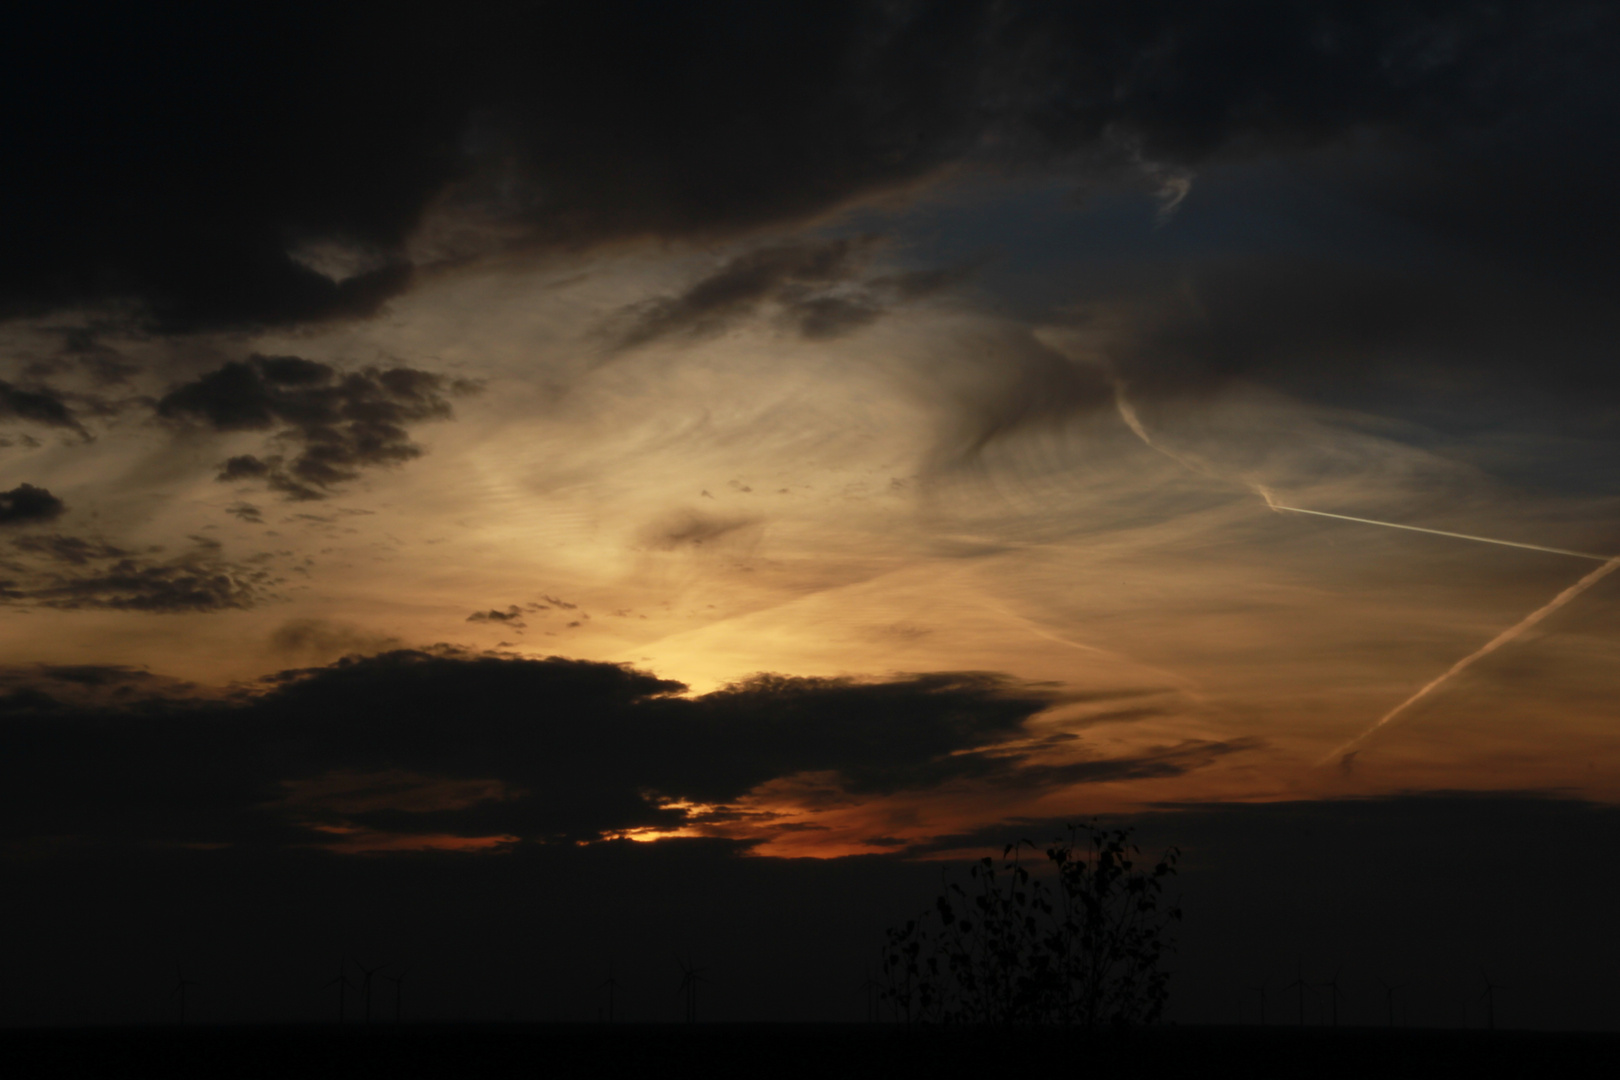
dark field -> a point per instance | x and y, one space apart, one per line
723 1050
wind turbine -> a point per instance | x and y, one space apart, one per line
180 984
365 983
342 983
1261 990
399 991
869 987
1489 998
611 985
690 977
1389 998
1333 989
1299 985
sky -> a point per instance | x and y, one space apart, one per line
735 458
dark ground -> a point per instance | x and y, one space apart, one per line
772 1050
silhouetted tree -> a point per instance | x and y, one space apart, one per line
1082 948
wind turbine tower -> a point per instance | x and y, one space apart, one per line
343 984
365 984
1298 985
611 985
869 987
1332 986
1489 998
1389 998
399 993
1261 990
690 977
180 985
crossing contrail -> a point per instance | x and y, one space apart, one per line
1610 563
1608 567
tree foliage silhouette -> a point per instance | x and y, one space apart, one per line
1082 948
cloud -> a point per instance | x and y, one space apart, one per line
131 585
997 379
692 529
69 549
74 573
487 126
548 749
1503 344
336 423
320 640
1157 762
789 272
819 289
26 504
512 616
41 406
65 688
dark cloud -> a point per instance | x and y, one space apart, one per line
443 742
26 504
1314 323
512 616
818 316
74 573
41 405
281 158
1461 348
105 365
1025 384
816 288
692 529
51 689
821 317
76 550
790 273
641 747
318 640
133 585
1156 763
908 285
334 423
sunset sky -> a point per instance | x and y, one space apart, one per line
443 438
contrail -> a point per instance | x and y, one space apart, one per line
1127 413
1608 567
1435 532
1610 564
1187 686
